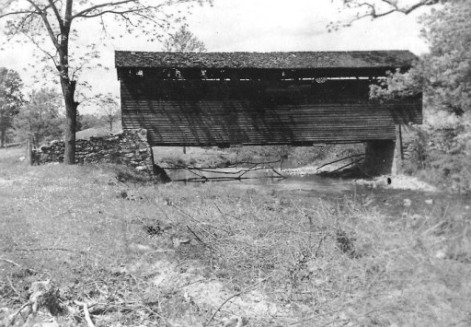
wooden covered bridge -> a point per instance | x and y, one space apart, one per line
296 98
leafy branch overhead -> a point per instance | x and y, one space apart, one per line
444 73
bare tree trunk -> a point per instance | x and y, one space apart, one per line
68 85
2 138
68 90
29 151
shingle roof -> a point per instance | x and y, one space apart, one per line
265 60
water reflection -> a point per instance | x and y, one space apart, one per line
264 178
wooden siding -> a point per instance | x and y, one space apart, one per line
249 112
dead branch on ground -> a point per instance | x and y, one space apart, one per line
86 313
341 159
10 262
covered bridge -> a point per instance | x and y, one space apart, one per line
297 98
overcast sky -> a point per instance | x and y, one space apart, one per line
258 25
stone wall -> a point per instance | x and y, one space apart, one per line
130 147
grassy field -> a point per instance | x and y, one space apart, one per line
140 254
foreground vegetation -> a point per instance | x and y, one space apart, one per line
140 254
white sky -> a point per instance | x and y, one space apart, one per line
255 25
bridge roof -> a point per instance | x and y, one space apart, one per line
267 60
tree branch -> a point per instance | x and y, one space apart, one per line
407 10
84 13
68 13
374 11
56 12
48 26
121 13
10 262
19 13
18 27
40 48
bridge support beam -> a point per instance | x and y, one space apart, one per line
379 157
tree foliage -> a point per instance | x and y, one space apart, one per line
447 68
442 147
183 41
90 121
39 119
53 26
109 109
444 74
11 99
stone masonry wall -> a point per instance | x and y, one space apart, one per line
129 147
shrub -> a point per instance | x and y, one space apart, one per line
441 156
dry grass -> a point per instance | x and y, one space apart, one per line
172 255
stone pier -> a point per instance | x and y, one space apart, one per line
379 157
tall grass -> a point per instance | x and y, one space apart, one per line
174 254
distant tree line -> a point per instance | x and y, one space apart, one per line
11 99
40 116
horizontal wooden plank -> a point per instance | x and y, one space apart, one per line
261 113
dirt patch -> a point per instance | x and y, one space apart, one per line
5 182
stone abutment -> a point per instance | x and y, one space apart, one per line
129 147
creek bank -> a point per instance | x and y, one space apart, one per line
397 182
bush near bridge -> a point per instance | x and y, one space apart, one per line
440 156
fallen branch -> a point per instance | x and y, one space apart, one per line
196 236
51 249
10 262
347 165
43 294
276 172
240 173
86 313
209 169
11 320
335 161
230 298
13 288
220 307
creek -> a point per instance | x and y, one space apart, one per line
264 177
